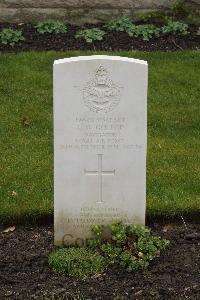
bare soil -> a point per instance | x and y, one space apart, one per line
25 273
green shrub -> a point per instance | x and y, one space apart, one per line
175 27
90 35
76 262
198 31
51 26
132 247
146 31
119 24
11 37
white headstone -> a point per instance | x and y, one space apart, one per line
100 137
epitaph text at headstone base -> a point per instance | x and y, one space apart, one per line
100 134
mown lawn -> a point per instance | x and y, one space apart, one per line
26 134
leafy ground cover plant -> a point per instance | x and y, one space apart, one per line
146 31
132 247
198 31
51 26
120 24
76 262
175 27
90 35
11 37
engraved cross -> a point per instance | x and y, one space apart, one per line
100 173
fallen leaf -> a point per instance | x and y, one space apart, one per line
138 293
35 237
9 229
167 228
25 122
97 275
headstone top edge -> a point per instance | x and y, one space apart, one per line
100 57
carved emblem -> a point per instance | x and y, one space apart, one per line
101 94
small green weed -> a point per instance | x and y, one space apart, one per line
11 37
179 10
191 18
51 26
90 35
146 32
175 27
119 24
151 16
76 262
177 7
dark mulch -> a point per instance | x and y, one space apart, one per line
25 274
112 41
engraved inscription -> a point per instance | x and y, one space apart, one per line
101 94
100 133
100 173
97 215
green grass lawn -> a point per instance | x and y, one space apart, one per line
26 134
